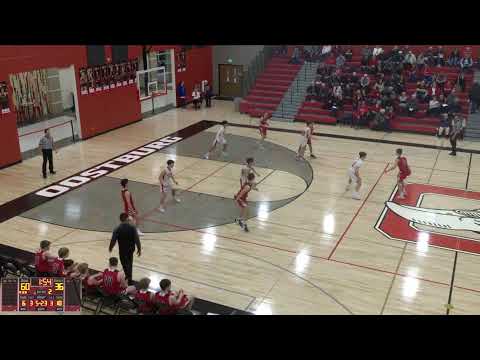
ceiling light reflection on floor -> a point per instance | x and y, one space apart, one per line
209 239
264 309
422 243
263 211
410 284
329 224
301 261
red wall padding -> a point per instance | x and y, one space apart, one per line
199 67
108 110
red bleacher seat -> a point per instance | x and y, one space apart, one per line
316 118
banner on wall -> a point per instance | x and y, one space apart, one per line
108 76
182 60
4 105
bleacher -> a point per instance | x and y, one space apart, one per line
313 110
270 87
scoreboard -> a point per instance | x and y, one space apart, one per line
45 294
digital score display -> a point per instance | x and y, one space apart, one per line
40 294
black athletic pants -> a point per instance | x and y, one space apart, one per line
208 101
453 142
47 155
126 259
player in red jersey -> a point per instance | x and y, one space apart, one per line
241 200
263 127
403 172
142 296
129 206
306 140
89 282
114 281
171 302
166 178
70 267
42 257
247 169
56 265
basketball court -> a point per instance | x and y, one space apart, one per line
311 249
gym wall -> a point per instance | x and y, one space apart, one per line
99 112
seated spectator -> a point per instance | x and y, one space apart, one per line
466 63
429 60
412 105
443 104
326 49
434 107
439 56
354 79
441 80
363 113
377 50
172 302
366 55
142 296
428 75
410 60
340 61
114 280
444 128
448 87
42 259
379 121
56 265
338 92
295 59
461 81
420 61
348 92
421 92
402 99
474 96
364 81
348 54
331 59
454 58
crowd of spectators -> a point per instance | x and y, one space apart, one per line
112 282
377 87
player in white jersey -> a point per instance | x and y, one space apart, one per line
354 174
246 170
306 140
166 178
219 140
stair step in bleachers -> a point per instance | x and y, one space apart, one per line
270 87
423 129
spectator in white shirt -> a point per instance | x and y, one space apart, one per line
434 106
196 97
377 50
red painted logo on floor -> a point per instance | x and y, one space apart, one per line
433 216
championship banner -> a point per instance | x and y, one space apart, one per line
4 104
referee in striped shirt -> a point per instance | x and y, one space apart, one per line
47 145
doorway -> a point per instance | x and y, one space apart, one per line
230 79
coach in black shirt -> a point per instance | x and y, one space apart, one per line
127 236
